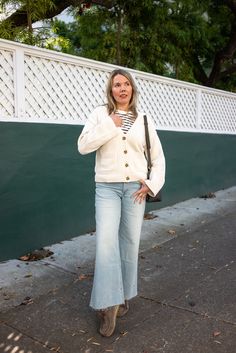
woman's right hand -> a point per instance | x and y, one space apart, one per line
116 119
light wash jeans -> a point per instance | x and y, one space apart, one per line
118 227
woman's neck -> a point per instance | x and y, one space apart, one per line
124 108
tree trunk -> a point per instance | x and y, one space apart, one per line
118 38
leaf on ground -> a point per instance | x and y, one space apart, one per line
156 246
27 301
85 276
6 296
216 333
218 342
55 349
208 195
24 258
123 333
29 275
171 231
149 216
36 255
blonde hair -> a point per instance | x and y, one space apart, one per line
111 103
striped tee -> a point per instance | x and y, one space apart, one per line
127 120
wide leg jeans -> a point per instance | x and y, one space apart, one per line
118 228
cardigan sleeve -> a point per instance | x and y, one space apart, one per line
98 130
157 175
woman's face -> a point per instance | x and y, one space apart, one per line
121 91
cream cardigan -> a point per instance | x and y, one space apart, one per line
120 157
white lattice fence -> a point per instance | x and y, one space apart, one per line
61 91
170 105
7 95
218 112
39 85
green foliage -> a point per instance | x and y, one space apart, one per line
35 9
6 31
63 38
97 33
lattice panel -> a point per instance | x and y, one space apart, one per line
218 112
169 105
59 88
6 84
62 91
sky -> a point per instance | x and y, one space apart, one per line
65 17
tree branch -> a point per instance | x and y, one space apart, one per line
19 17
225 54
198 71
229 71
232 5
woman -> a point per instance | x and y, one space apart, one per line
116 132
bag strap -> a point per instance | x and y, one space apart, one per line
149 164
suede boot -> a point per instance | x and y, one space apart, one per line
108 320
123 309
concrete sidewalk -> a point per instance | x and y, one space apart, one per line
187 286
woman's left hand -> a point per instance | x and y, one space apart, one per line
140 195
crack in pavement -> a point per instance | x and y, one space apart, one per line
24 334
205 315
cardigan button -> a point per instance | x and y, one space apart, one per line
125 151
123 138
127 178
126 165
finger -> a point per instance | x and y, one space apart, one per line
141 199
139 196
136 195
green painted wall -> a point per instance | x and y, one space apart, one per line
44 183
197 163
47 188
